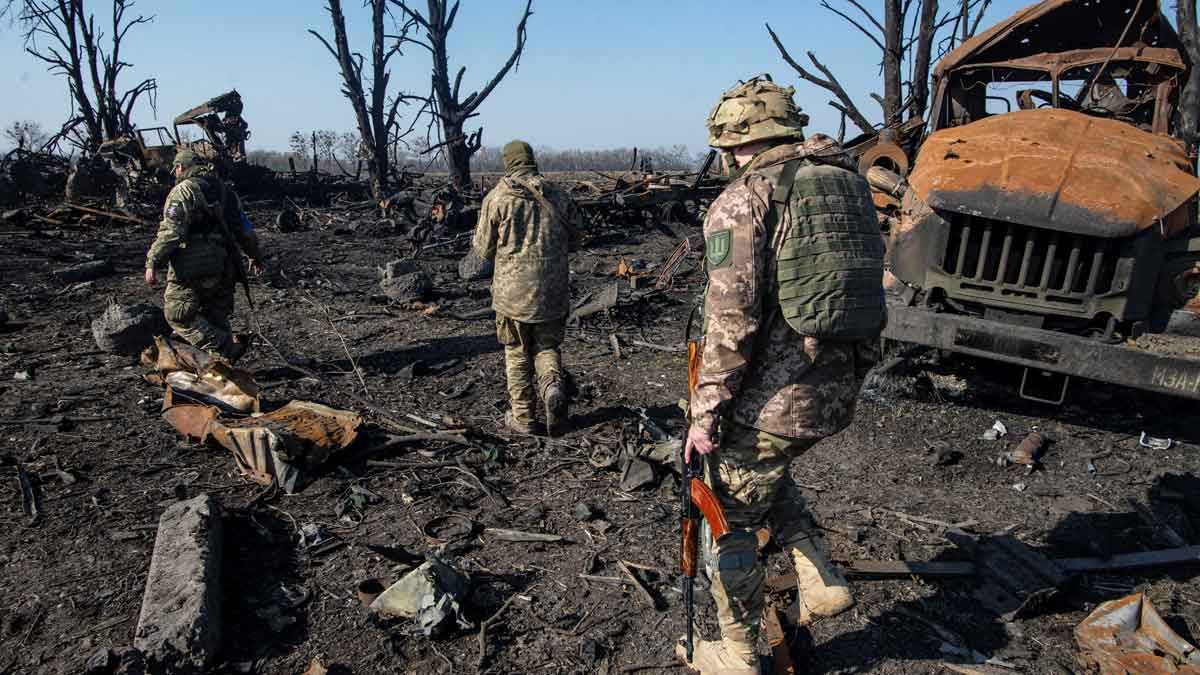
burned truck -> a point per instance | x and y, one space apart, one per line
143 159
1050 216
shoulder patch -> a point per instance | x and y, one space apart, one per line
717 248
174 210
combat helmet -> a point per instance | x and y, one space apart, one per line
756 110
186 158
199 153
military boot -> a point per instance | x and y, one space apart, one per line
238 345
555 399
720 657
823 590
518 426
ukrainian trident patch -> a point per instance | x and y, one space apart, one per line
717 248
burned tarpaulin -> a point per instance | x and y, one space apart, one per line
282 447
205 399
193 375
285 445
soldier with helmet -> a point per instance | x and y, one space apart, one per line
201 239
527 225
792 315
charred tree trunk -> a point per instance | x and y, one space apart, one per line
451 111
897 50
377 117
893 52
1189 100
923 58
64 35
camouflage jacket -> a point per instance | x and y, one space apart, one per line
528 225
191 237
755 368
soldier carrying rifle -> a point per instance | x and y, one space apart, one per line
792 316
200 241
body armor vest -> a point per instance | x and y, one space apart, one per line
205 252
213 224
830 258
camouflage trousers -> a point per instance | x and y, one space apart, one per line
530 349
199 311
749 475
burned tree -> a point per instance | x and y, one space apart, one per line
64 34
452 111
1189 101
906 36
377 117
26 135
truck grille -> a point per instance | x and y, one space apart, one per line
992 258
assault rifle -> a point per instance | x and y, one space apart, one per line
232 248
697 500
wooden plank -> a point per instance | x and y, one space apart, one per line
1134 561
902 569
886 569
890 569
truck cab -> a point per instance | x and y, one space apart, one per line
1053 206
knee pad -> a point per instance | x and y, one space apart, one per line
179 311
737 567
738 580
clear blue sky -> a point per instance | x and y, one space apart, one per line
594 74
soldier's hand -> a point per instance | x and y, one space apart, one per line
151 277
699 440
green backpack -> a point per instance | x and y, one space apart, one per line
830 261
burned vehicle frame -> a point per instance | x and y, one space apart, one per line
1050 223
144 157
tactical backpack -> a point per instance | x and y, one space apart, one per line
207 246
830 260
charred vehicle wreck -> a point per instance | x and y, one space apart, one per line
1050 217
143 159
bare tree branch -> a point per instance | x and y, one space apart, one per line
829 83
475 100
856 24
979 12
376 116
64 36
448 111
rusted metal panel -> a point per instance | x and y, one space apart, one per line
1057 169
229 102
1130 636
285 445
1056 62
1046 350
1035 30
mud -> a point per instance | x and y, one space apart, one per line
105 470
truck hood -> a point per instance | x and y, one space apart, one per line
1056 169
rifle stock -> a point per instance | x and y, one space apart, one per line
698 501
710 508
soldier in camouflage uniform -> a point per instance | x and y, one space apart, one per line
200 240
527 225
793 311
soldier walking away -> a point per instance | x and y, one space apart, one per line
793 311
527 225
200 240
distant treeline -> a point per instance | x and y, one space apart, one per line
488 160
674 158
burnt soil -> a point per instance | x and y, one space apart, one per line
71 581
